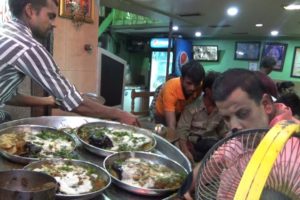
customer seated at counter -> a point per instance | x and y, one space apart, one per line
244 103
178 92
23 55
200 125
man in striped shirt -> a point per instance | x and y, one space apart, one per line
21 54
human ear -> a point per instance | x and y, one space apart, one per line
28 10
267 103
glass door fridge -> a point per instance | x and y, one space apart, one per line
159 68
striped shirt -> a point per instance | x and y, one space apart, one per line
21 55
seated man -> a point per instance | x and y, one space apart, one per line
244 103
285 87
200 126
291 100
178 92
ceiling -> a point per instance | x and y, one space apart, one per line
210 18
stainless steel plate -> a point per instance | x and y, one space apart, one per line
163 147
99 170
116 126
30 129
154 158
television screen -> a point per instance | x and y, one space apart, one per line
205 52
112 71
247 50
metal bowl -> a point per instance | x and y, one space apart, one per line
83 196
27 185
113 125
154 158
32 129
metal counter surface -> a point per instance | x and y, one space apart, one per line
163 147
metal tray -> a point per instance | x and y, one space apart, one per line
113 125
30 129
163 147
153 158
99 170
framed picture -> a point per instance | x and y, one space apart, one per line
277 51
247 50
77 10
205 53
296 63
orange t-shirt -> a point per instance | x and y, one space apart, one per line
171 98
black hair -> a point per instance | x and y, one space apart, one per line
16 6
291 100
194 71
284 86
232 79
268 62
210 78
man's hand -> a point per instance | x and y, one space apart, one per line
189 155
188 196
128 118
185 150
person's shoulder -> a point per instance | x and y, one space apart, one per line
20 34
172 83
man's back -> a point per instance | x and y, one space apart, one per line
15 40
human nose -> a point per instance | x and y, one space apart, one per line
192 87
53 23
235 125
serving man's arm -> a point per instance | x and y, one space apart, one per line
91 108
28 101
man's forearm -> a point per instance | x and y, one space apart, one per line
29 101
183 145
170 120
90 108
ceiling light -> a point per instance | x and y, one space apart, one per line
232 11
175 28
198 34
259 25
274 33
292 7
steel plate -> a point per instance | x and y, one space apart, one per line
154 158
117 126
28 128
100 171
163 147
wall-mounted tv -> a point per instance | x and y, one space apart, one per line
247 50
205 53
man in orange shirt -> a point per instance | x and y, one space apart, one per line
177 93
